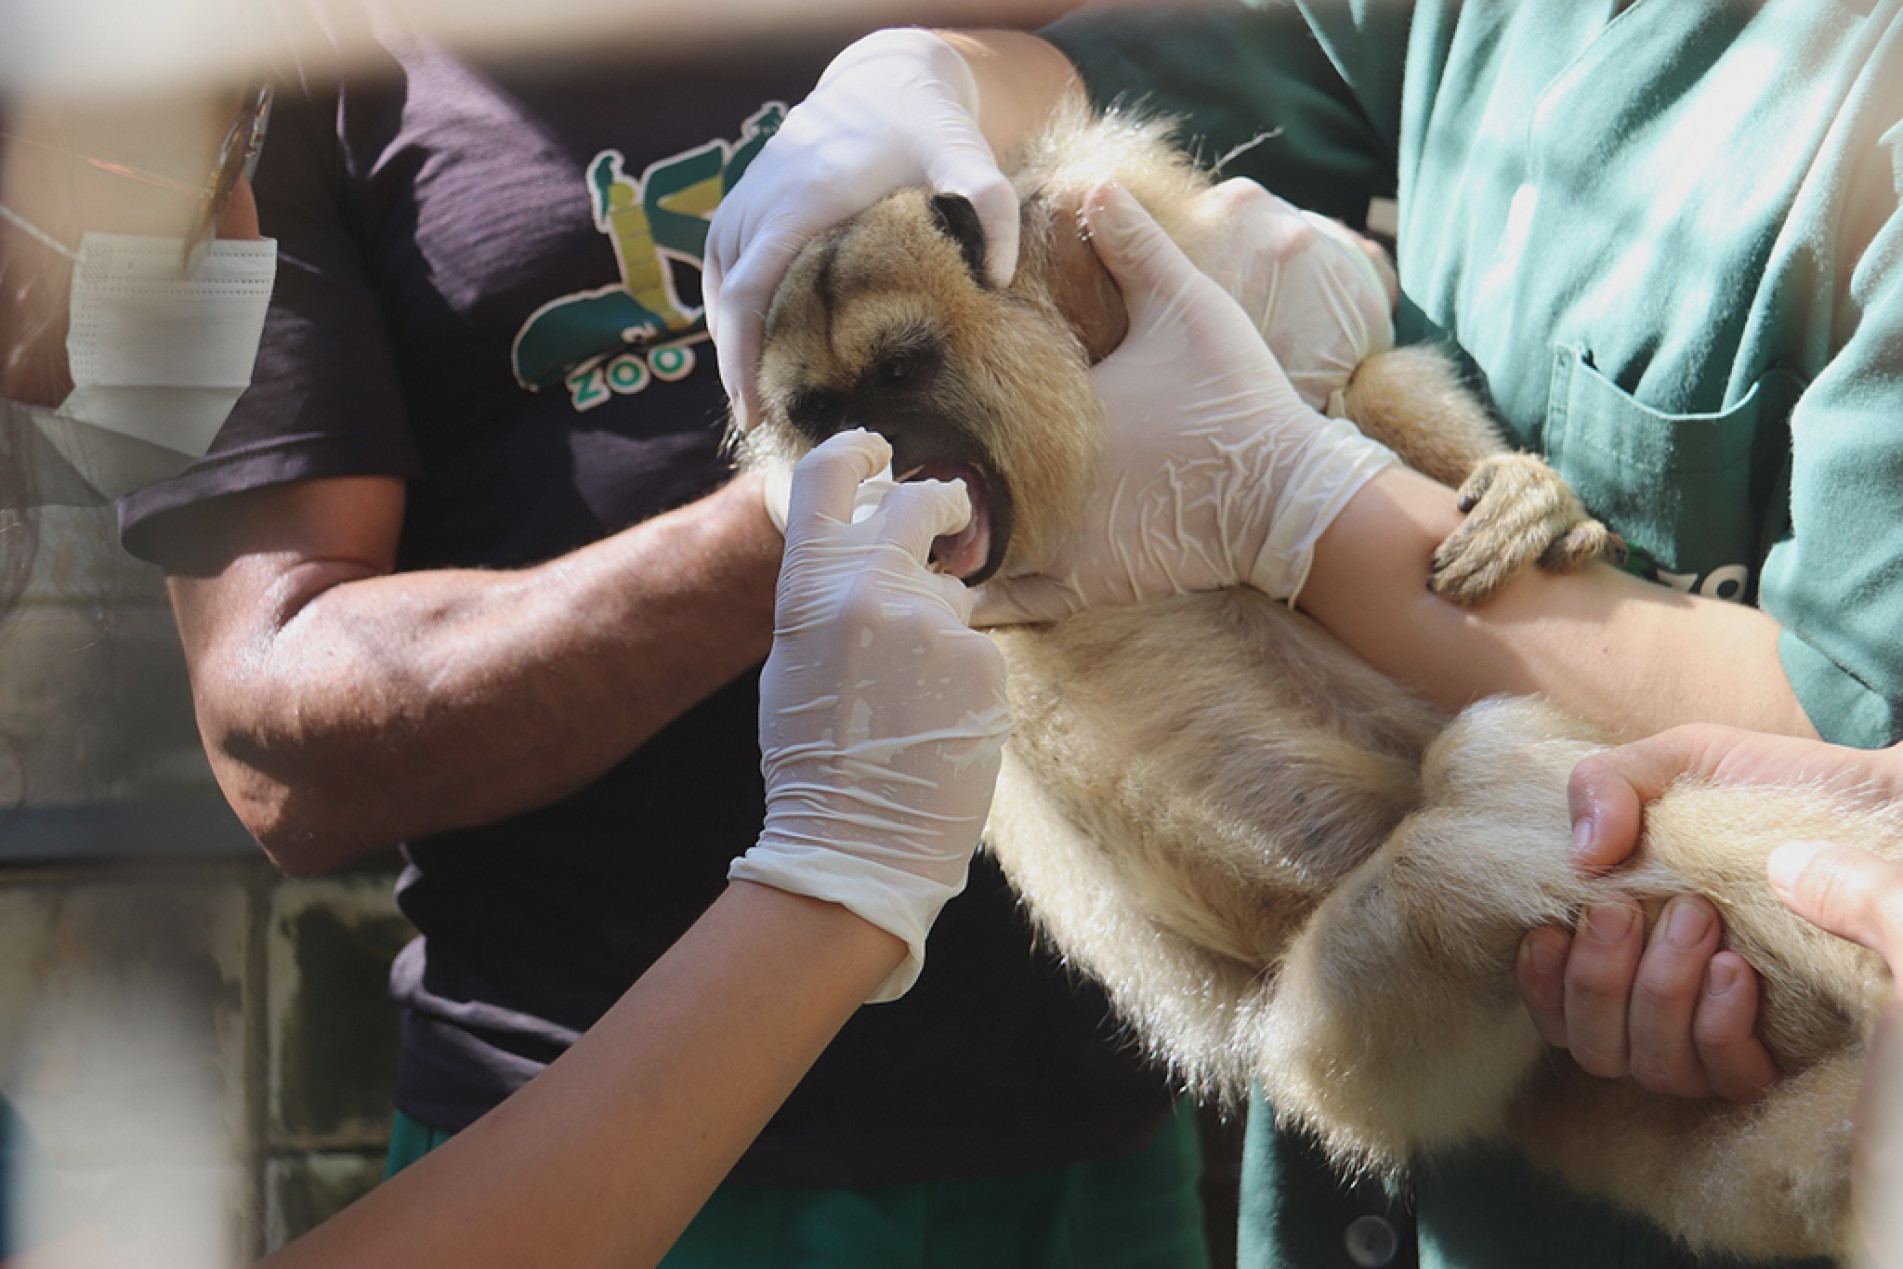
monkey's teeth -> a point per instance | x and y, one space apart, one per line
963 553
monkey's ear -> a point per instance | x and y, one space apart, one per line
957 219
1054 260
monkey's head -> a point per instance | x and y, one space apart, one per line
887 323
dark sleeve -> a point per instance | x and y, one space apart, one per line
325 399
1307 103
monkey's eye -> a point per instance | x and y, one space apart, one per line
905 362
897 369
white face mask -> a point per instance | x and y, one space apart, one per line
157 360
159 357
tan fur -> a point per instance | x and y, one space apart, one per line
1286 868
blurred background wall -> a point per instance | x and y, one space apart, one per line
201 1051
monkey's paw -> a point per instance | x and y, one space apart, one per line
1519 512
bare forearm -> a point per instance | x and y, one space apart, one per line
1020 79
386 706
1630 656
605 1157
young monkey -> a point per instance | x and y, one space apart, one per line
1285 867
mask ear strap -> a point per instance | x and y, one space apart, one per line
34 232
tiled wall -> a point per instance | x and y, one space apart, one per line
331 1034
202 1050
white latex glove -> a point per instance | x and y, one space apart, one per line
1315 290
882 713
1215 472
776 488
898 108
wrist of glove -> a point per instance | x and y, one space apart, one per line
1324 475
882 713
1216 472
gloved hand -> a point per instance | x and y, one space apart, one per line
1215 472
882 713
1322 297
776 489
898 108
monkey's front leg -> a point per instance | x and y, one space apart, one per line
1519 513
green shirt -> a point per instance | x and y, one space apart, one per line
1667 239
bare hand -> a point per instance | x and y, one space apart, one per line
1668 1009
1850 892
1671 1010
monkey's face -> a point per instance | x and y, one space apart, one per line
886 323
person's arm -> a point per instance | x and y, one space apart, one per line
1019 78
882 726
605 1157
347 708
1631 656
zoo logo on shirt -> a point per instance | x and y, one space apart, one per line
618 339
1733 583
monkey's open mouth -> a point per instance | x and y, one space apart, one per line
927 446
966 554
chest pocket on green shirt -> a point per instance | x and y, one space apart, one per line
1698 496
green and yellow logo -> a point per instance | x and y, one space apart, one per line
619 338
